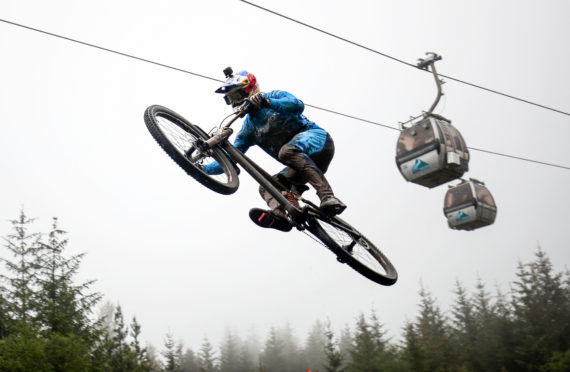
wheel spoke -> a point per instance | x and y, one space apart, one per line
352 248
357 247
182 140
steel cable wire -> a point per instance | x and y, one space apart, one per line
402 61
221 81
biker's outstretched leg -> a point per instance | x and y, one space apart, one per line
275 217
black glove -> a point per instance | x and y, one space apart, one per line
258 101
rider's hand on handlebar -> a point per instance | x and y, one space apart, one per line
259 101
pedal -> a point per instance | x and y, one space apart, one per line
292 197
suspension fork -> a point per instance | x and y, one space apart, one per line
203 146
263 178
224 133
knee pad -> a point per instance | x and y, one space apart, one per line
287 152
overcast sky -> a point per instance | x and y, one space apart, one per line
183 258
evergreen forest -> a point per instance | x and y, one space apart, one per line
51 322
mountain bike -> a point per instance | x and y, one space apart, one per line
191 148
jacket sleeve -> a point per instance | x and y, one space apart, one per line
285 103
242 142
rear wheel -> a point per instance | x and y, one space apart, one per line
177 136
353 248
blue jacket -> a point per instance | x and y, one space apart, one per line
272 127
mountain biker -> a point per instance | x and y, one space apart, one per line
276 124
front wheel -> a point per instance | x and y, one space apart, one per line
353 248
177 137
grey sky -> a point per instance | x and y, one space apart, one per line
181 257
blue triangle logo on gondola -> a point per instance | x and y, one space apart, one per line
419 166
462 216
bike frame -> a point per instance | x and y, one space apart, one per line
272 186
263 178
260 175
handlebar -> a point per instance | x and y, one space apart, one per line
239 112
221 134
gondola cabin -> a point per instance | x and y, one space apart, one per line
431 152
469 206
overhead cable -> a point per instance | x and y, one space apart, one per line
402 61
221 81
470 148
108 50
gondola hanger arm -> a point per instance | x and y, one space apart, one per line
428 64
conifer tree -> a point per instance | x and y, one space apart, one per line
465 328
369 345
23 352
48 312
414 351
249 353
542 313
494 329
172 354
559 362
104 347
291 351
496 342
123 358
230 351
4 312
20 296
63 306
428 345
207 357
364 350
314 354
153 362
246 362
189 362
333 356
272 357
345 344
140 352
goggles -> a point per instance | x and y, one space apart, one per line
235 96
